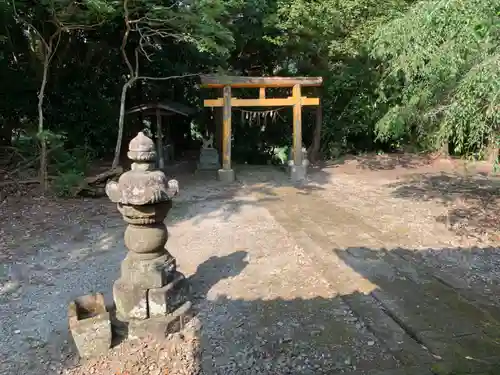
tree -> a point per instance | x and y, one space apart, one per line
397 72
17 74
328 38
44 23
154 22
441 80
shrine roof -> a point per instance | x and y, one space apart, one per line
165 107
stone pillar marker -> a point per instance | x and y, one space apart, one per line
150 294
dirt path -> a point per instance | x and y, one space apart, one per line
405 304
341 275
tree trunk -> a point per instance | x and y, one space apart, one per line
132 78
121 121
316 143
444 152
493 153
44 181
159 140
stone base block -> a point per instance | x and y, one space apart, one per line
209 160
208 167
131 300
297 173
165 300
90 325
203 166
159 327
226 175
137 269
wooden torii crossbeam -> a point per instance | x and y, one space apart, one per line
228 101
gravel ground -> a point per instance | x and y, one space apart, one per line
254 288
449 218
442 215
262 306
35 292
264 296
70 248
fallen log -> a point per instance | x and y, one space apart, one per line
23 182
86 185
104 176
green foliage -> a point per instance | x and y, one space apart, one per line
64 184
396 73
196 23
441 78
329 39
66 166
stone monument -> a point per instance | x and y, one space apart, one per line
150 296
209 156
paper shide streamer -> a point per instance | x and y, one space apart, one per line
260 118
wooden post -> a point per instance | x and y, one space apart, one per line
226 129
218 120
297 125
167 143
159 140
218 131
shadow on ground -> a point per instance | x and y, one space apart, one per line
383 162
215 269
473 202
443 299
75 247
415 318
59 352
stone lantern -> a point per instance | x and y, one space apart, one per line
150 294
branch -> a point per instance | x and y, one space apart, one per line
136 52
80 26
28 25
70 10
149 36
125 37
51 49
143 42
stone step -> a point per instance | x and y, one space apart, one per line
384 289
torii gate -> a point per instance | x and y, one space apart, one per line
227 102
